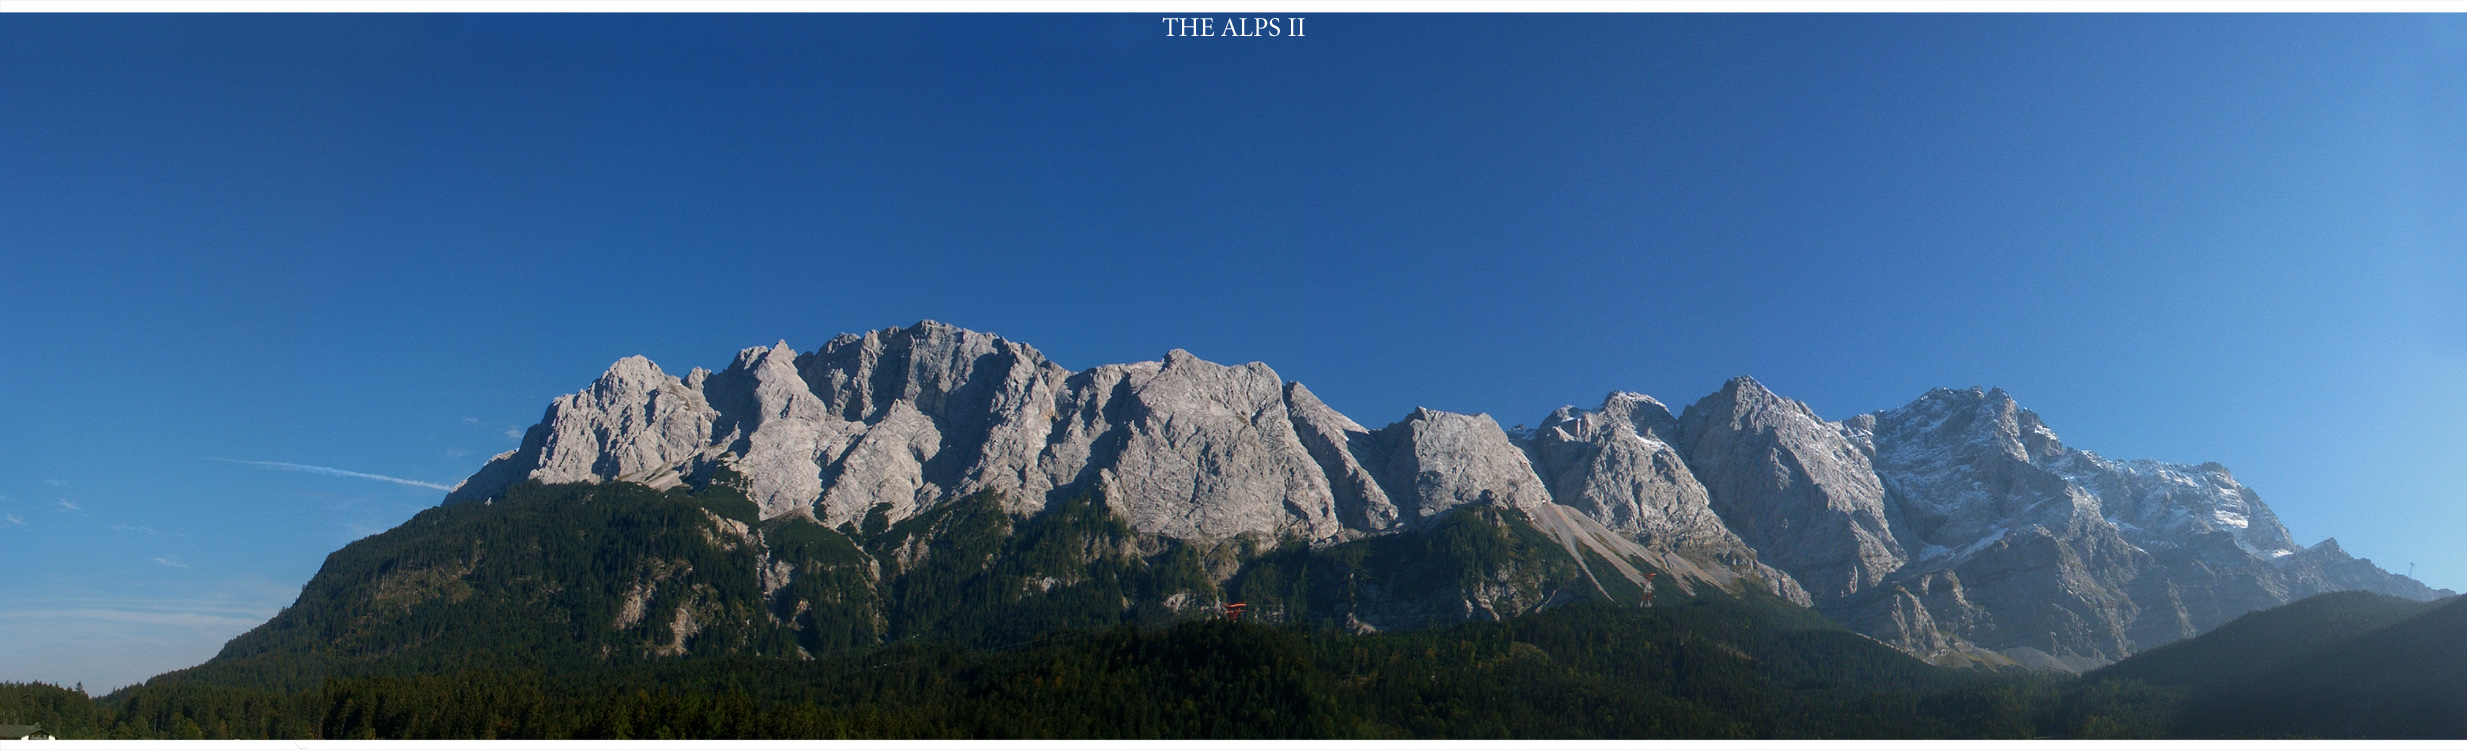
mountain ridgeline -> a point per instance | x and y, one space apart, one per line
932 484
1958 528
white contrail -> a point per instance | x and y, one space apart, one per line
334 472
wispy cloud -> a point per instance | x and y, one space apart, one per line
145 617
146 530
513 431
108 642
171 561
55 483
71 505
15 520
334 472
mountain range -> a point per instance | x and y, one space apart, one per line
1957 528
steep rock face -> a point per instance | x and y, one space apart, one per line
2211 542
884 467
1341 446
1435 461
634 423
1196 450
2044 570
1793 486
1615 464
771 426
992 404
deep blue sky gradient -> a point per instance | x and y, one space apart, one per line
381 243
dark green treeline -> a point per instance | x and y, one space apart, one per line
1711 667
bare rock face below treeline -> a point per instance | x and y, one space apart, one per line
1957 528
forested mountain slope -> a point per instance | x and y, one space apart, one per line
578 576
2406 680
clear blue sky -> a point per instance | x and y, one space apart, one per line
382 243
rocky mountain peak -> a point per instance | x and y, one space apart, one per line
1633 413
1987 418
1642 414
1617 465
2327 567
1792 485
633 374
1438 460
941 370
1742 401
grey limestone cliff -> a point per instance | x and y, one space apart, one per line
895 422
1616 467
1799 489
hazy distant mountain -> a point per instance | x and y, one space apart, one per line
2348 664
2407 680
2262 642
1957 528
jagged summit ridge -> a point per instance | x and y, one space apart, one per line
1958 527
2091 559
894 422
901 419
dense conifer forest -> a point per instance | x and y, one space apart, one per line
1714 667
1061 626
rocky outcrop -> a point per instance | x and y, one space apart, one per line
634 423
771 426
1795 487
1435 461
1341 447
1615 466
1190 449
